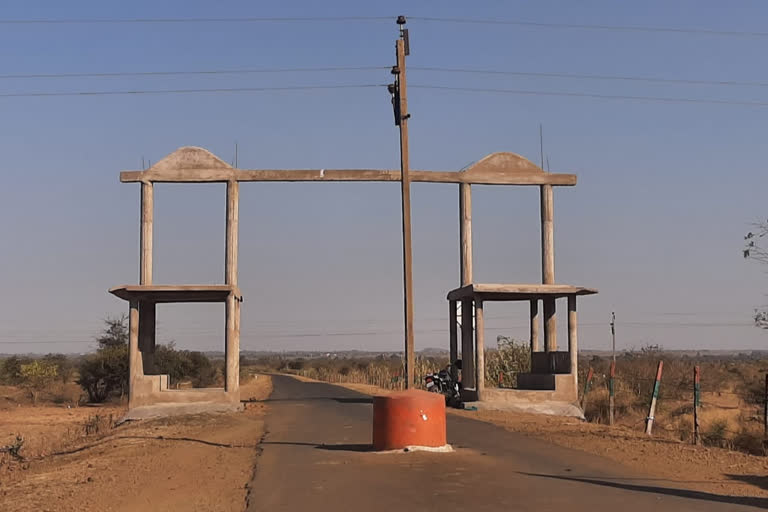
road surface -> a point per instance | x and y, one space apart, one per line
316 458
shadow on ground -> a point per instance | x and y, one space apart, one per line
682 493
756 480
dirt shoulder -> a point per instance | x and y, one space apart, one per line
706 469
199 462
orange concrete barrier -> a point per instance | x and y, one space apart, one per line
408 418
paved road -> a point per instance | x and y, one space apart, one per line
315 458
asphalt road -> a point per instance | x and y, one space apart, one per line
316 457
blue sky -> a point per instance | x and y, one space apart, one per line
666 190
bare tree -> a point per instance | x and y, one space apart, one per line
755 251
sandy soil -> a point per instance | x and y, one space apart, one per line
707 469
200 462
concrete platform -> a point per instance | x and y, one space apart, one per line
162 410
546 407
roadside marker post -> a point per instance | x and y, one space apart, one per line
696 404
654 397
587 385
765 408
612 393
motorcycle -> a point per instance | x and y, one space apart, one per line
446 382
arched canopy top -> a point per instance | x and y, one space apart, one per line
189 158
197 165
502 163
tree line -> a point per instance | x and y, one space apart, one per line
104 374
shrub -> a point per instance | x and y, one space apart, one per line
105 373
36 376
10 370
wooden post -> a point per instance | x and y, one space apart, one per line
232 306
587 386
548 265
534 326
145 236
452 331
405 181
135 368
696 404
480 349
654 397
573 340
612 394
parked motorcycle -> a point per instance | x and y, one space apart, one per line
446 382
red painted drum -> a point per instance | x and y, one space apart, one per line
408 418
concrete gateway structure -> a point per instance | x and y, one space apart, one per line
553 372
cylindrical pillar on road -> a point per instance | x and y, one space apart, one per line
409 419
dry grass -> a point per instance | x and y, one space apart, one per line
731 389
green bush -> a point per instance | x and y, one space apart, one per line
105 373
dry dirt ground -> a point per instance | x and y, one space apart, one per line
706 469
200 462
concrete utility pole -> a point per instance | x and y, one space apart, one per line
400 104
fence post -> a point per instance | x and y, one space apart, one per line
652 409
587 384
765 408
612 393
696 403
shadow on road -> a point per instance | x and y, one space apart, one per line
328 447
682 493
353 400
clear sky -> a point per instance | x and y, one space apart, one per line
666 190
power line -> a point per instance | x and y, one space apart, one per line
591 77
661 99
189 91
112 21
581 26
346 19
203 72
192 72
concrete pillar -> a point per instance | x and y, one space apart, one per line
534 326
550 326
231 243
548 264
480 349
232 306
573 343
465 233
452 331
467 345
232 346
135 368
147 323
145 236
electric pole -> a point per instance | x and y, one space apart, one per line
400 105
613 336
